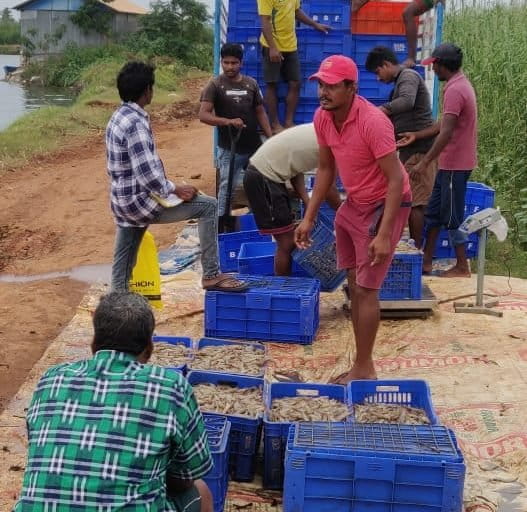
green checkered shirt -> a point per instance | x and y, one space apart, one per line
104 432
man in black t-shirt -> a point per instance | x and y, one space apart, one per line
232 101
409 110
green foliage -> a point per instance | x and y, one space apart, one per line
176 28
494 40
66 70
93 17
9 28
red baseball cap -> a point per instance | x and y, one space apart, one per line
335 69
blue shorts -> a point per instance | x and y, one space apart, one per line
446 206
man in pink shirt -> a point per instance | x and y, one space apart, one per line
456 147
357 138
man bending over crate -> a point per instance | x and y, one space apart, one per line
408 109
358 139
284 157
114 433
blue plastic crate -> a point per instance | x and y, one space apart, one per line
229 246
213 342
248 37
478 197
258 258
320 259
305 110
176 340
413 393
326 214
243 13
336 14
247 222
217 479
275 433
280 309
314 46
363 44
245 432
371 87
403 280
310 183
444 249
344 467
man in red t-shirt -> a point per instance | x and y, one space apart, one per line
455 145
358 139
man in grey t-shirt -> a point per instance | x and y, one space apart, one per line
409 110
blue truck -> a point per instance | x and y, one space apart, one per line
237 21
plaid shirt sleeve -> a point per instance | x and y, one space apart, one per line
192 459
145 161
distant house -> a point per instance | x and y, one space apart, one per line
48 25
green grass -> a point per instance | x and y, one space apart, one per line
494 42
50 128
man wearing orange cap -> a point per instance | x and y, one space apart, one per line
358 139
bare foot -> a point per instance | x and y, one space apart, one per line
456 271
358 372
277 128
289 125
427 269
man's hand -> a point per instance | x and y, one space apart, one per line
236 122
405 139
302 232
321 27
186 192
379 250
275 55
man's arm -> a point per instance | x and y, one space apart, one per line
407 138
267 30
146 164
379 248
192 458
407 88
409 14
207 116
298 183
325 178
448 125
263 121
302 17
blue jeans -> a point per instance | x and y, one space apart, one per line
446 206
240 163
128 239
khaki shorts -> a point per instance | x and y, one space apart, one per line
421 183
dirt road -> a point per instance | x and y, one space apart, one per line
54 215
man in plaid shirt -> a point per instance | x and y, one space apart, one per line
113 433
138 177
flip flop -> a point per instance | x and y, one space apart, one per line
217 287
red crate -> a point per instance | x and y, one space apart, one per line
380 18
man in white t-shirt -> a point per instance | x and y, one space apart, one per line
284 157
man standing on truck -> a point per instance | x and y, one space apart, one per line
284 157
455 145
412 11
232 102
408 109
280 55
358 139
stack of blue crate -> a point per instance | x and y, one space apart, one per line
313 46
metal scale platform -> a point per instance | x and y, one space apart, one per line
422 308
